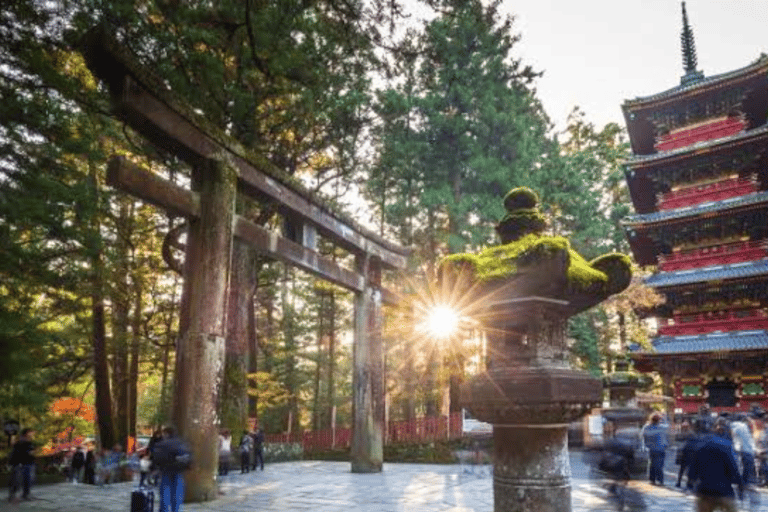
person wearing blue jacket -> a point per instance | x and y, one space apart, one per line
655 440
714 471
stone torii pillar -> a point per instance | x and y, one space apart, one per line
367 451
203 323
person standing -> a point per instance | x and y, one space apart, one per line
714 471
258 448
225 452
172 457
22 462
90 466
145 466
655 440
246 444
77 464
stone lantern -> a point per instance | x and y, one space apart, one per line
622 384
524 290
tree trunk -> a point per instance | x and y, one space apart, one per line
321 311
120 312
133 382
100 363
288 327
331 403
253 350
233 406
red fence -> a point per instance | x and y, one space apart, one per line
420 430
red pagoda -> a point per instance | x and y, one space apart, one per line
698 180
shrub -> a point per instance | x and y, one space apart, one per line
282 452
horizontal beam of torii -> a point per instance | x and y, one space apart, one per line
149 108
173 198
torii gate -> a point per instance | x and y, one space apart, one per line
222 168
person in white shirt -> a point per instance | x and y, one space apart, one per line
225 452
744 446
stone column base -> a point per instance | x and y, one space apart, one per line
532 470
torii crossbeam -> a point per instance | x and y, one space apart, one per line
222 168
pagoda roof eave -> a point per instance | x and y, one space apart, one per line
705 274
691 212
696 149
697 86
732 341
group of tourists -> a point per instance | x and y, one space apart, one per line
85 465
250 451
166 457
720 456
720 453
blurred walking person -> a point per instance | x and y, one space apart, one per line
173 457
744 445
714 472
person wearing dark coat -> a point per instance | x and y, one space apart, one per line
89 476
172 456
78 461
691 442
22 462
714 472
258 448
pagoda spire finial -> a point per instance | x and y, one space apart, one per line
689 52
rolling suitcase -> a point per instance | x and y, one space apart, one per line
142 500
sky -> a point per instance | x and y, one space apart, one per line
598 53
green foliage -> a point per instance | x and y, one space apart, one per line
438 452
463 124
282 452
585 347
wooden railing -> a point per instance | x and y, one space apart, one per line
714 255
709 131
704 323
717 191
420 430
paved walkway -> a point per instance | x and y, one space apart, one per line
331 487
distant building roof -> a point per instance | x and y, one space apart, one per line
714 342
702 83
693 211
713 273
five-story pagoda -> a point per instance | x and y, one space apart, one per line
698 179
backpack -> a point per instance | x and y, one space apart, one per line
245 445
172 455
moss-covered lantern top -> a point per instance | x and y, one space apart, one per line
530 263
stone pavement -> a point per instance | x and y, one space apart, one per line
331 487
